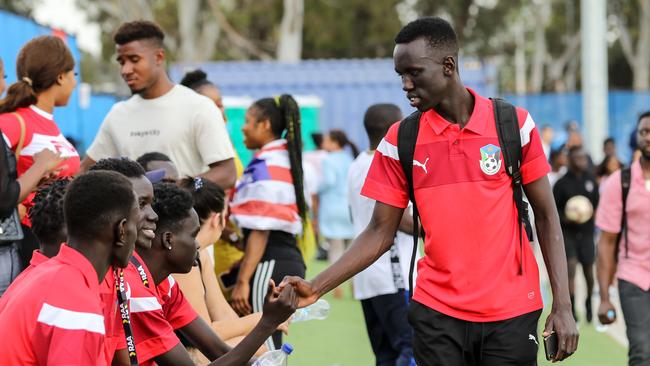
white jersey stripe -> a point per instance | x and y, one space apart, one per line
271 191
144 304
526 130
256 222
72 320
388 149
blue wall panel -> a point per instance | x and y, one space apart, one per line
346 87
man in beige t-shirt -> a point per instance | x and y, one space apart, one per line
161 116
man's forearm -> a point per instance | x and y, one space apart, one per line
606 264
365 249
552 246
205 339
245 350
222 173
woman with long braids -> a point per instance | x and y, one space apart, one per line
269 203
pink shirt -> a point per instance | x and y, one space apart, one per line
635 268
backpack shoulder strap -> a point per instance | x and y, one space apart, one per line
507 125
626 179
407 135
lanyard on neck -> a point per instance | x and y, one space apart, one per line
141 271
126 317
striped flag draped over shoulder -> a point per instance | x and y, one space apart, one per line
264 197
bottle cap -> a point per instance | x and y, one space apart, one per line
287 348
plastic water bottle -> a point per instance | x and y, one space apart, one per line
275 358
318 310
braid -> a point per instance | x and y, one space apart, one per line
47 213
291 114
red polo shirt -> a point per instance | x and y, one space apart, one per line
54 315
152 331
178 310
472 252
37 259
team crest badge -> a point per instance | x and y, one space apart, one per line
490 159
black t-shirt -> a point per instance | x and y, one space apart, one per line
280 246
571 185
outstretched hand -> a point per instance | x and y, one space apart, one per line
562 322
304 289
279 304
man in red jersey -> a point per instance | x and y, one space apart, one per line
55 313
477 299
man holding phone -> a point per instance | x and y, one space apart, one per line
477 299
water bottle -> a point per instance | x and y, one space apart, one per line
275 358
318 310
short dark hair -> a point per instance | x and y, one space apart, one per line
47 213
94 200
609 140
147 158
575 149
643 115
317 139
437 31
139 30
207 196
195 79
124 166
172 204
378 119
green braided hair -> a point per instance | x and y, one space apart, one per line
284 115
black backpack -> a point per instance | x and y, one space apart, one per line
626 179
507 125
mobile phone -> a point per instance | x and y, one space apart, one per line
550 346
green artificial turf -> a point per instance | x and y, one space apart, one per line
341 339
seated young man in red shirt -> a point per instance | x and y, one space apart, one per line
54 313
154 324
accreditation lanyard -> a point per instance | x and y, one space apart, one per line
141 271
126 318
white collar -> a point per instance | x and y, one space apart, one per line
41 112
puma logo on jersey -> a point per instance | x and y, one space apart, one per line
421 165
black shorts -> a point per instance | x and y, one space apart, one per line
441 340
580 246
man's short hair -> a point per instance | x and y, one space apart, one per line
379 118
139 30
643 115
172 204
96 200
47 213
124 166
437 31
147 158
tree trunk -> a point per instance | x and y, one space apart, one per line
641 67
542 14
187 28
520 60
290 40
